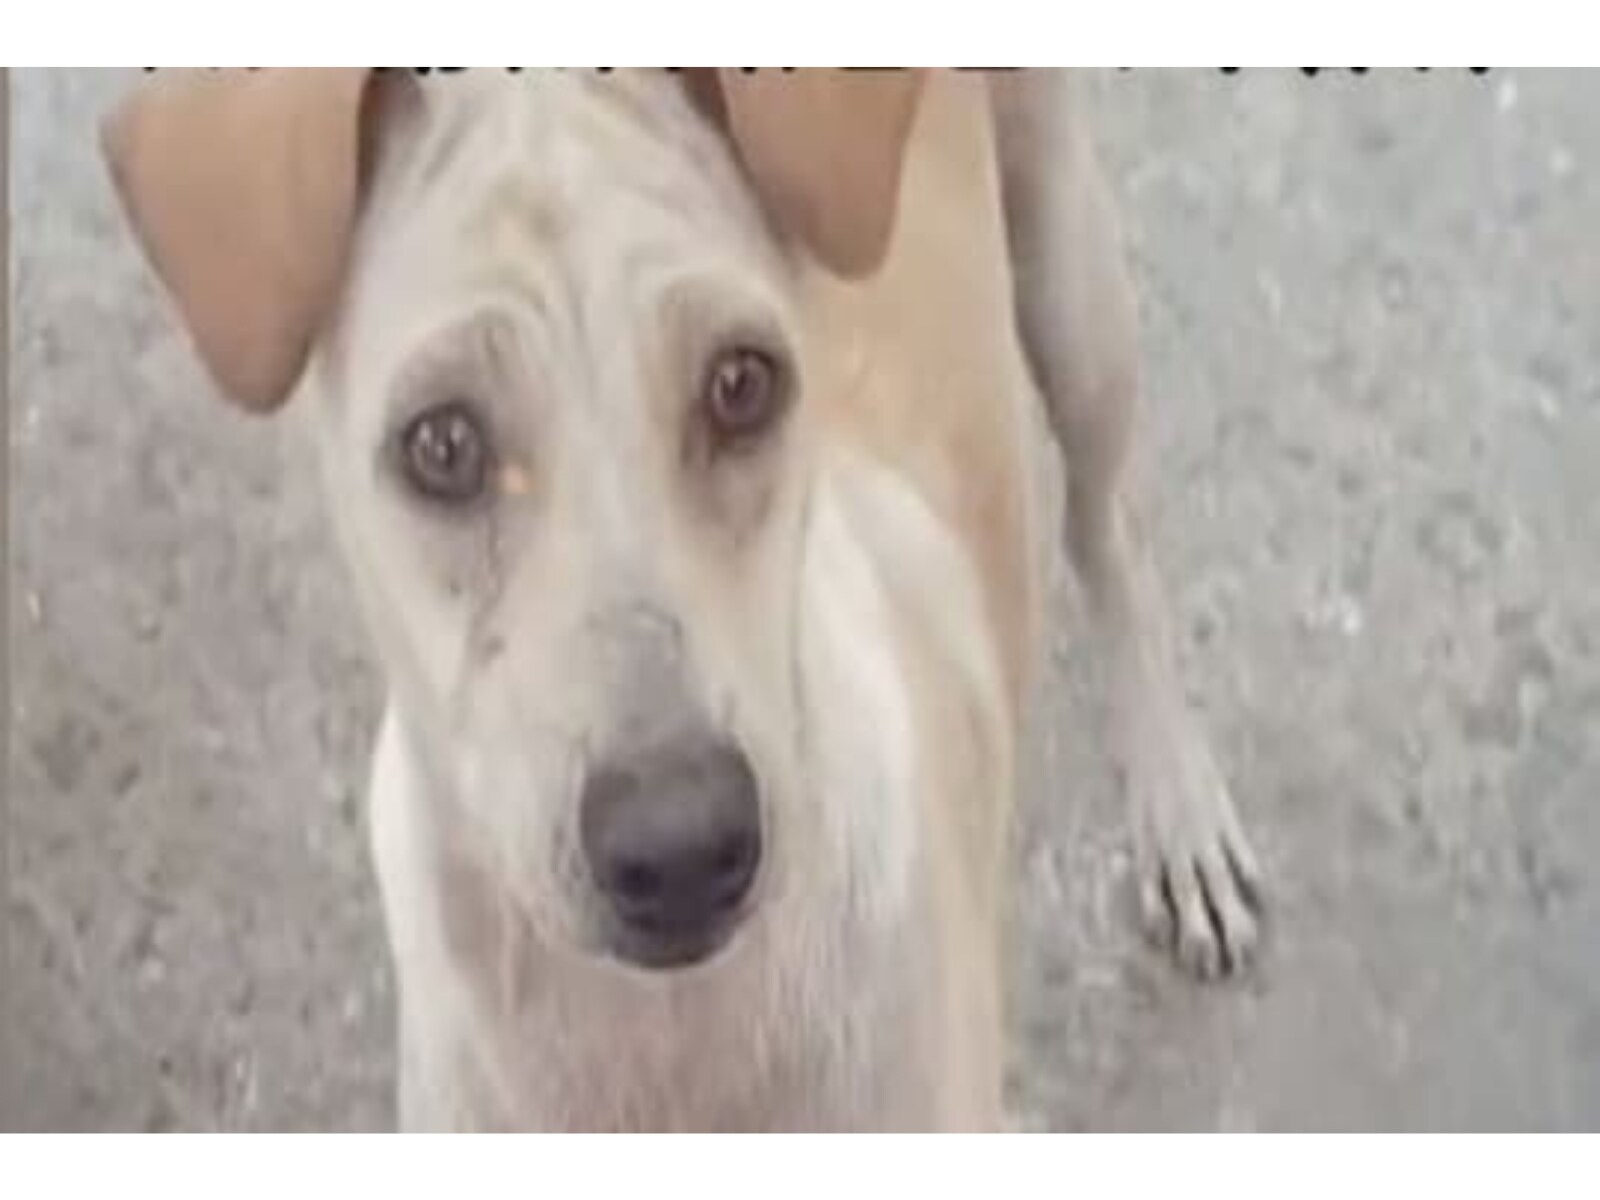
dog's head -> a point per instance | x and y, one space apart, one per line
550 358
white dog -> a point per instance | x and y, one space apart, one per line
675 430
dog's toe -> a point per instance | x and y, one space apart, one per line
1230 899
1155 909
1198 946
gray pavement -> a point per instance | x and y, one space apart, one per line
1373 345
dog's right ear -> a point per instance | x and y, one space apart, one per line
242 186
823 149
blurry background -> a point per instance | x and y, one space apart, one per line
1373 321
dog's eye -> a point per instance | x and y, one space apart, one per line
446 455
743 394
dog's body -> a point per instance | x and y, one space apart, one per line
851 600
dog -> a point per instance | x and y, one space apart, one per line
675 428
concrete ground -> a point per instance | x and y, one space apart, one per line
1373 317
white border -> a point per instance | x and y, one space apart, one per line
801 33
776 1168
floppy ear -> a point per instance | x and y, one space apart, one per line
242 187
823 149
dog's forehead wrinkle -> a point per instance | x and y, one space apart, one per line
434 159
599 173
581 194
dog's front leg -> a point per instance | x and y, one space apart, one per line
1199 884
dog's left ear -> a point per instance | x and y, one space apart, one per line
823 149
242 187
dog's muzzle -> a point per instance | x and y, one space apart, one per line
672 835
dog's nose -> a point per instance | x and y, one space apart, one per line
673 839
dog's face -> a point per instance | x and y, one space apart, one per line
563 422
560 399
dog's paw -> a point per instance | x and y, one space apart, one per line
1199 883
